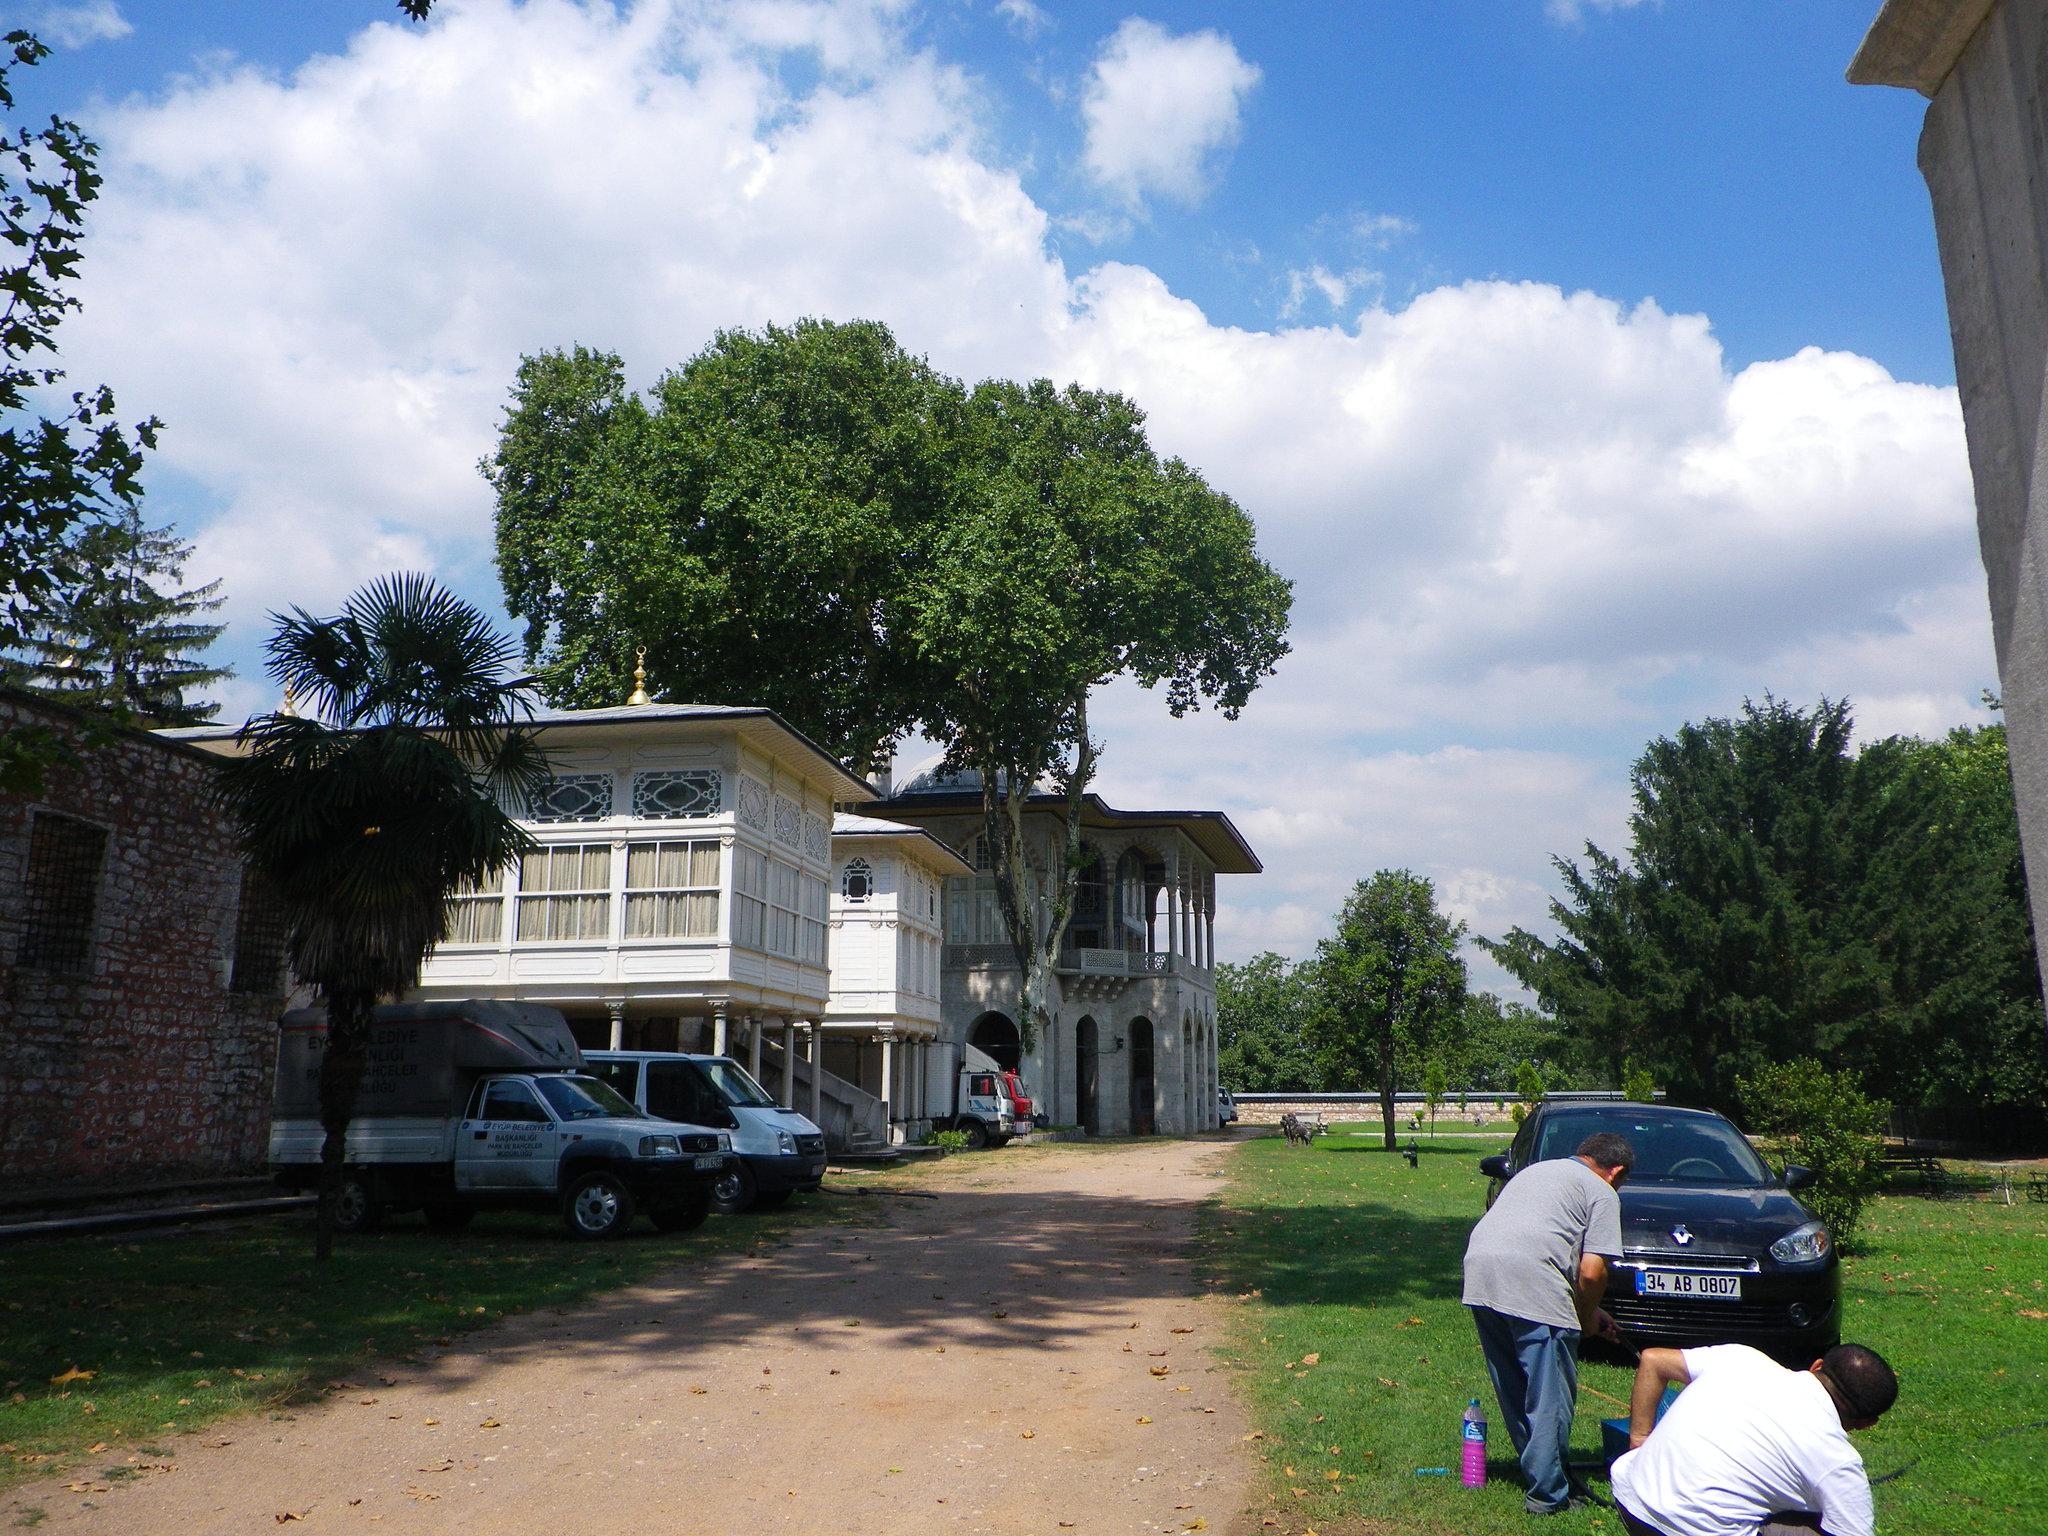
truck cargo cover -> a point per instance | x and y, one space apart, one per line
423 1057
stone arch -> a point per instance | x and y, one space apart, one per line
1088 1076
996 1034
1144 1117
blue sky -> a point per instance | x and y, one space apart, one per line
1585 363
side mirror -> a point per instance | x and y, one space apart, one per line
1797 1176
1495 1167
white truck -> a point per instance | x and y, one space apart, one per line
989 1105
777 1152
482 1105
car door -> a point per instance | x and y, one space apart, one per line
509 1142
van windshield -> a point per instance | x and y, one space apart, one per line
584 1098
734 1086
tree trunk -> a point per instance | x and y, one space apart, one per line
341 1078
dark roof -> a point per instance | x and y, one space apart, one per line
1211 831
848 790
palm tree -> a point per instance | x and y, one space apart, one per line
394 788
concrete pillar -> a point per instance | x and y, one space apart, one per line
618 1012
788 1099
754 1046
816 1031
719 1040
890 1102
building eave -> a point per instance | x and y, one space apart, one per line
1211 831
1916 44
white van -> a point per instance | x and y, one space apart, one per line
779 1151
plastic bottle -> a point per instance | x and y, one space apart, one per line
1473 1471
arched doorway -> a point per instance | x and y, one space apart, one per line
1143 1120
995 1034
1087 1077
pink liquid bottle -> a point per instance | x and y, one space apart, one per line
1472 1472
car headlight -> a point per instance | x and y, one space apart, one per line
1803 1245
785 1143
660 1146
724 1142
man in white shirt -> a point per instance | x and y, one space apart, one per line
1535 1269
1749 1447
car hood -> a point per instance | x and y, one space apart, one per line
1743 1220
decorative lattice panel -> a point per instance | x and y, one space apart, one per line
678 794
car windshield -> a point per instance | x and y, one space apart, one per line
584 1098
1690 1150
733 1084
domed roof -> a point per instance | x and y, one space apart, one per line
932 777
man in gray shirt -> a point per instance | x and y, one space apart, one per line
1535 1269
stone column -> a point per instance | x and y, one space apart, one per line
618 1012
889 1099
718 1032
788 1062
816 1029
754 1046
1984 152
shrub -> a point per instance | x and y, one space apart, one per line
949 1141
1824 1120
1637 1085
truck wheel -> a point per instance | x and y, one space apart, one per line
771 1199
356 1206
686 1217
735 1192
598 1206
449 1215
976 1134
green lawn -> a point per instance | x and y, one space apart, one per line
170 1331
1349 1259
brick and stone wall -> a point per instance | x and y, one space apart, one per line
140 1062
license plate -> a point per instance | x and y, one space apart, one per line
713 1161
1695 1287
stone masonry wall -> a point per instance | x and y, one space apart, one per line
144 1064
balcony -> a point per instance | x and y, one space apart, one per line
1111 963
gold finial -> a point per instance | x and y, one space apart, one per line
640 678
290 706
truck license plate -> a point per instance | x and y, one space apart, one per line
1667 1282
706 1163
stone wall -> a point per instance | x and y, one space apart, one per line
131 1059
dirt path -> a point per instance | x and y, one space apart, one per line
985 1362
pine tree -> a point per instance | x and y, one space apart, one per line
120 637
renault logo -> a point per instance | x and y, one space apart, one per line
1681 1234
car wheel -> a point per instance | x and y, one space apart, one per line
356 1206
598 1206
449 1215
976 1134
735 1192
687 1216
771 1199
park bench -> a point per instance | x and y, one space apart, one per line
2037 1187
1932 1177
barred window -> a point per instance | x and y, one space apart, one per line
476 913
675 794
574 797
64 858
565 892
260 934
859 881
672 890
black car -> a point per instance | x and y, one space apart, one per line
1715 1248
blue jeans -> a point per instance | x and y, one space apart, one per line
1535 1371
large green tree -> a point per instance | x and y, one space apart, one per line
365 813
808 517
1786 894
1390 987
79 465
1262 1013
121 635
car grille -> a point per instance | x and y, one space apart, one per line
699 1143
811 1146
1686 1258
1670 1314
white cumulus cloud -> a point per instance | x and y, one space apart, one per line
1530 528
75 26
1159 108
1571 12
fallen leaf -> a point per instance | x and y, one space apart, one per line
75 1374
1156 1354
1318 1418
1311 1359
430 1422
493 1423
90 1450
1383 1381
853 1322
1158 1370
1198 1524
1180 1330
1143 1420
367 1402
1127 1349
290 1514
1030 1434
1333 1474
700 1391
1257 1434
999 1314
2030 1312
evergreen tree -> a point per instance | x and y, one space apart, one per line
120 636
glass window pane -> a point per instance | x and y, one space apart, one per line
704 864
641 859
